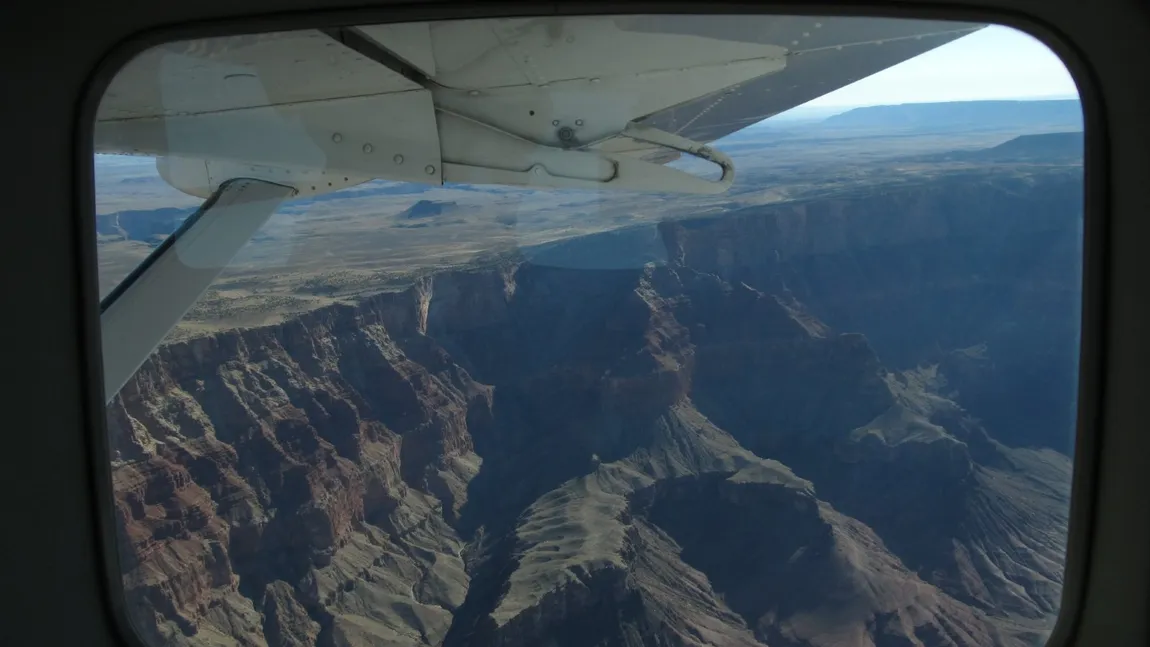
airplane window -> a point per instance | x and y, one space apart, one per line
659 330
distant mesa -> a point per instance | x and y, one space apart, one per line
964 115
1041 148
427 209
1045 146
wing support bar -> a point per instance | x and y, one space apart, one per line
140 312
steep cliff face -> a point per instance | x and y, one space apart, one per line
966 261
708 451
281 460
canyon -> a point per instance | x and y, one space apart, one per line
842 420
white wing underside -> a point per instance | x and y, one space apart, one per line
555 102
590 103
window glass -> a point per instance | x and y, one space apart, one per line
738 330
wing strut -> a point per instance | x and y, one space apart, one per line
137 315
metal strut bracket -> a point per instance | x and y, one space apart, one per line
140 312
477 152
675 142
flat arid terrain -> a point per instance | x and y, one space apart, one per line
831 407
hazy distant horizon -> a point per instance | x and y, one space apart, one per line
994 63
810 111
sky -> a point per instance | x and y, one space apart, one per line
993 63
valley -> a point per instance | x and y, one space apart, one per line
833 407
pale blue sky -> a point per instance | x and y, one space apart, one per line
993 63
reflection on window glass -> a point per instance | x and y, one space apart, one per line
641 330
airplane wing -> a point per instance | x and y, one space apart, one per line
582 102
829 54
578 102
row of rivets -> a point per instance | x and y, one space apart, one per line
368 149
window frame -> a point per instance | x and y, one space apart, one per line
1093 347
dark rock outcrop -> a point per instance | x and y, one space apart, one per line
426 209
